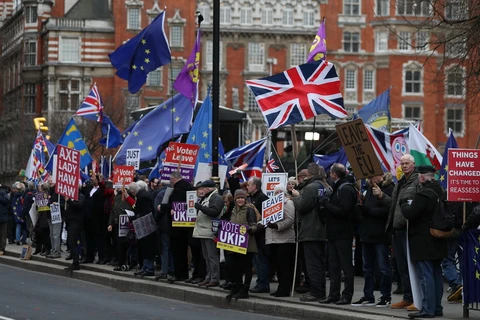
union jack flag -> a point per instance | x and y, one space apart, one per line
298 94
271 165
252 154
92 107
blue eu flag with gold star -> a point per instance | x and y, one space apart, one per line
145 52
470 242
443 172
168 120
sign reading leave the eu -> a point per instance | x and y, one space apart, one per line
180 157
68 172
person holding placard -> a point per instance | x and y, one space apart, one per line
55 222
42 229
74 219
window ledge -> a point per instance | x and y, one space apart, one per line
344 19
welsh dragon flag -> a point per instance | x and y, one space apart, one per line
422 150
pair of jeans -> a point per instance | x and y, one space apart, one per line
166 255
379 253
340 259
431 281
261 263
55 235
212 260
448 264
148 265
314 253
21 232
400 250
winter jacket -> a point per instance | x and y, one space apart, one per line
118 208
285 232
28 201
3 206
423 246
74 214
162 217
179 194
247 217
17 207
209 208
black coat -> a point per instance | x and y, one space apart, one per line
4 201
423 246
94 211
144 206
374 218
74 214
256 199
179 194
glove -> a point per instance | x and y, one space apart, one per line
322 200
260 227
198 206
272 225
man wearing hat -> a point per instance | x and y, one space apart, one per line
210 207
426 251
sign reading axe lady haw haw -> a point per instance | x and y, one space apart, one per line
68 172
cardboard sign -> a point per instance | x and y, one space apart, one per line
272 209
233 237
359 149
463 182
180 157
191 200
144 226
55 213
41 200
123 175
68 172
123 227
133 158
271 180
180 218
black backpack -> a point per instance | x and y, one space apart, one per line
443 219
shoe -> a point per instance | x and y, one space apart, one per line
302 289
227 286
309 298
45 253
103 261
411 308
189 280
438 314
384 303
401 305
2 253
363 302
11 242
204 282
233 291
420 315
259 290
344 301
456 293
69 257
242 294
72 267
86 261
147 274
17 243
54 255
161 276
328 300
138 273
280 294
212 284
196 281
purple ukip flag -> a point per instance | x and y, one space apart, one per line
318 50
187 80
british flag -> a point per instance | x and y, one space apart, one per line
92 107
298 94
271 165
252 154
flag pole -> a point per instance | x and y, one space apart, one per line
313 138
295 155
215 89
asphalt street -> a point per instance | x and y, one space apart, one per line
32 295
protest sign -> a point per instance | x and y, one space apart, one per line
33 214
68 172
180 157
55 213
191 200
123 175
123 227
180 218
133 158
272 209
271 180
359 149
463 182
41 200
233 237
144 226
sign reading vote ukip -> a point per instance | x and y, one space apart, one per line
68 172
232 237
180 218
180 157
123 175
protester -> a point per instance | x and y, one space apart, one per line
426 251
28 200
281 238
164 224
291 185
199 264
301 176
74 219
55 228
21 233
4 201
11 224
118 209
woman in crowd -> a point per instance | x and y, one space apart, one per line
118 209
291 185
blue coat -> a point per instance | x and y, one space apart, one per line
17 206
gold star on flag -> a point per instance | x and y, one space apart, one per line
150 148
203 145
205 134
164 107
177 118
209 126
173 110
140 143
135 133
193 138
207 155
134 67
144 41
477 275
446 167
476 250
147 51
141 67
146 60
442 177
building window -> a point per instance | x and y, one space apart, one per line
132 103
251 103
175 70
413 81
455 78
205 12
298 54
209 55
404 41
368 80
413 7
350 79
309 18
381 41
246 16
267 16
455 46
225 15
30 15
30 97
256 56
351 41
69 94
133 18
154 78
421 38
176 36
287 17
413 113
30 53
351 7
456 10
69 50
383 8
455 120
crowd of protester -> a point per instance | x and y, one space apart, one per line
324 212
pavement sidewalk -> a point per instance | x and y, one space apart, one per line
289 307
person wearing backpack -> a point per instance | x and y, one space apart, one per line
426 251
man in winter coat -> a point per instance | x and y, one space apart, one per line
209 208
3 219
74 218
426 251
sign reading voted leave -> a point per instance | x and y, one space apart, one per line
272 209
271 180
68 172
359 149
463 172
179 217
123 175
180 157
232 237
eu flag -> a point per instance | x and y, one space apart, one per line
326 161
470 241
377 112
112 136
166 121
443 172
145 52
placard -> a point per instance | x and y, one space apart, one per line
233 237
191 200
144 226
179 217
271 180
463 175
123 225
41 200
272 209
180 157
359 149
26 253
33 215
55 213
133 158
123 175
68 172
